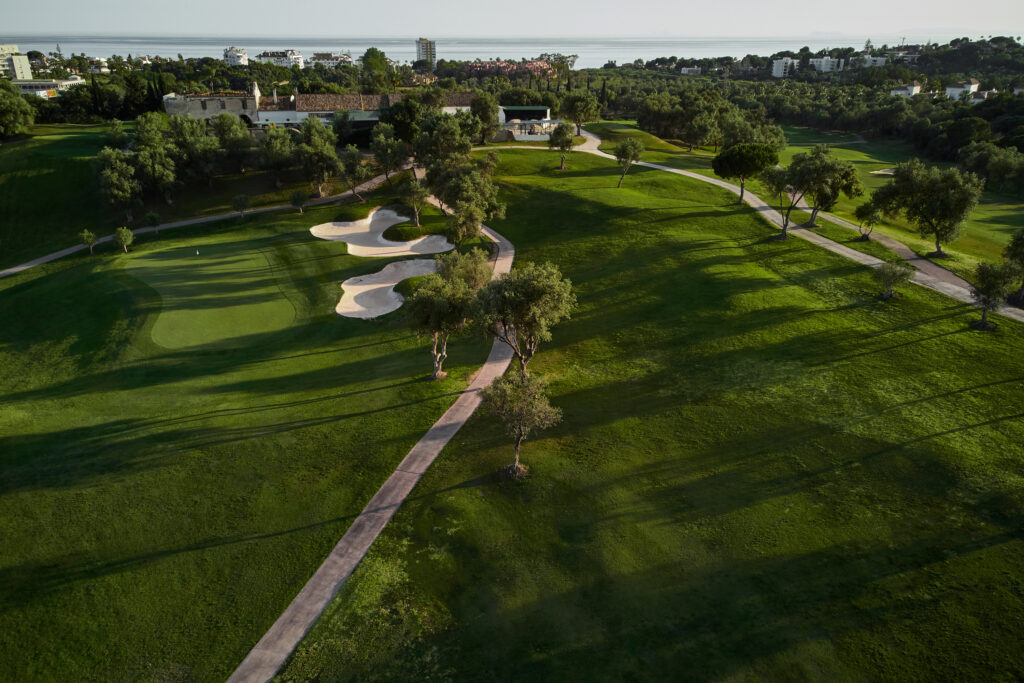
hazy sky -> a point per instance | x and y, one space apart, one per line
518 18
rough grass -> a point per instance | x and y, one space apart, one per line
183 439
49 192
763 473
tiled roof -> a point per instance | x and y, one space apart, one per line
284 103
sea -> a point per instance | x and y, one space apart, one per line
592 52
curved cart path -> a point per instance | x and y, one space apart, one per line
274 648
927 274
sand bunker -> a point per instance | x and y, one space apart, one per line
369 296
884 171
366 237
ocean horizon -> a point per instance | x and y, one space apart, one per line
592 51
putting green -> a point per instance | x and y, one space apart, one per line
213 296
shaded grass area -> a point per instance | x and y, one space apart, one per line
49 192
161 506
802 135
763 473
674 153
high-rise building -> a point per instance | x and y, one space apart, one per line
13 64
425 50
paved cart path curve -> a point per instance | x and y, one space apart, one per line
274 648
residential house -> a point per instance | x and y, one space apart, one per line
236 56
690 71
330 60
982 95
286 58
958 91
908 90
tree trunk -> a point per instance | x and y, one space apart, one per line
814 216
436 356
562 167
579 129
357 195
515 465
620 179
984 317
320 190
125 248
387 177
938 246
90 249
743 186
522 366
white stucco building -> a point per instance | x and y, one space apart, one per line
690 71
957 91
330 60
236 56
426 50
47 88
13 64
908 90
781 68
869 62
286 58
826 64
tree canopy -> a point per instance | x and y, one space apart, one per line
744 160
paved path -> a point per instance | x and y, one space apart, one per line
365 187
927 274
274 648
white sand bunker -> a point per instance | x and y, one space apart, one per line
884 171
366 237
369 296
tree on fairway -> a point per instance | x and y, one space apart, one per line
992 284
440 139
117 180
888 275
935 200
88 238
240 203
522 405
278 152
390 153
464 222
868 216
562 138
1014 254
299 199
320 162
519 308
353 170
440 307
822 178
195 153
123 237
743 161
627 153
16 114
778 182
414 196
485 107
471 268
580 106
156 169
116 136
313 130
460 180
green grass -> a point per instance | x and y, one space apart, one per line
49 192
184 438
763 472
985 234
801 135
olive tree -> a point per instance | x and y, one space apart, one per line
440 307
88 238
485 107
123 237
823 178
390 153
627 153
520 308
889 275
299 199
1014 254
522 405
562 138
353 170
241 203
117 180
580 106
992 284
414 196
868 216
937 201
